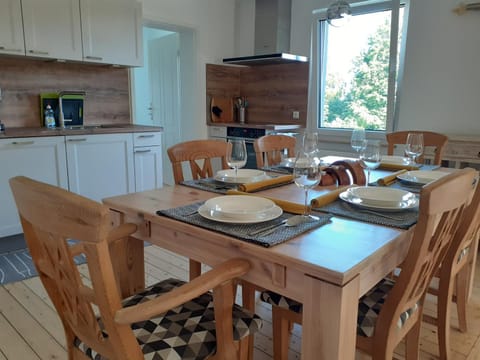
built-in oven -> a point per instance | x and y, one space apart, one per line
246 133
249 135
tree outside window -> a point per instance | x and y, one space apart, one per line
355 72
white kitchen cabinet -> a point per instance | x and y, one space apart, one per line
11 28
52 29
148 161
100 166
41 158
112 31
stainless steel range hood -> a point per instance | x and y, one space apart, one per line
272 35
267 59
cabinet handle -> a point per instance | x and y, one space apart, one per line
478 155
23 142
145 136
77 140
15 50
93 57
38 52
142 151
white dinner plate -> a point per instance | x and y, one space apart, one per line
243 176
410 203
421 177
381 196
270 214
240 206
395 160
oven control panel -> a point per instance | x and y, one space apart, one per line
245 133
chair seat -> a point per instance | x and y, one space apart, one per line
369 306
186 332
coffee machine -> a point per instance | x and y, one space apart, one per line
67 106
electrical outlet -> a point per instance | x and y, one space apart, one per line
296 115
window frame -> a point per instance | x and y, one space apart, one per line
318 46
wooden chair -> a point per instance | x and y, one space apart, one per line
455 277
435 140
271 148
392 310
199 154
195 328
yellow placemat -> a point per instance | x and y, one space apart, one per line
329 197
394 167
389 179
259 185
287 206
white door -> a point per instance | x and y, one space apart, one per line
165 84
156 88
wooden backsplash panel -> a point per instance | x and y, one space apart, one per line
22 81
273 91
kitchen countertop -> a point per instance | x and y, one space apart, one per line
87 130
258 126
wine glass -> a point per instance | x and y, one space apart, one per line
236 154
357 140
414 146
370 156
307 174
310 142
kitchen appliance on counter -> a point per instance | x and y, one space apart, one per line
67 107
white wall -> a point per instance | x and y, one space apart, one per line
441 88
213 24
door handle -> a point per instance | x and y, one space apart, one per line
141 151
77 140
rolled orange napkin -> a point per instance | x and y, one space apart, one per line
389 179
393 167
259 185
287 206
329 197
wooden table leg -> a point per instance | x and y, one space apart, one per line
329 320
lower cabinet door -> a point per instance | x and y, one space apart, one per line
100 166
148 168
40 158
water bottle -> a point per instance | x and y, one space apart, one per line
49 117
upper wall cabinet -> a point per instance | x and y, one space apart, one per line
108 31
112 31
11 28
52 29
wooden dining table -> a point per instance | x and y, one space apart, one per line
326 269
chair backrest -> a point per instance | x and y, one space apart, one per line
272 147
430 139
50 216
442 204
199 154
465 242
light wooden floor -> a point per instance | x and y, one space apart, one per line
30 328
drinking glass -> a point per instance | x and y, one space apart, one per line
307 174
236 154
357 140
414 146
370 156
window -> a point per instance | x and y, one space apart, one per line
355 85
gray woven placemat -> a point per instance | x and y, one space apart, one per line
189 215
402 219
209 184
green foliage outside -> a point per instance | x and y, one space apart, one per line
363 102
